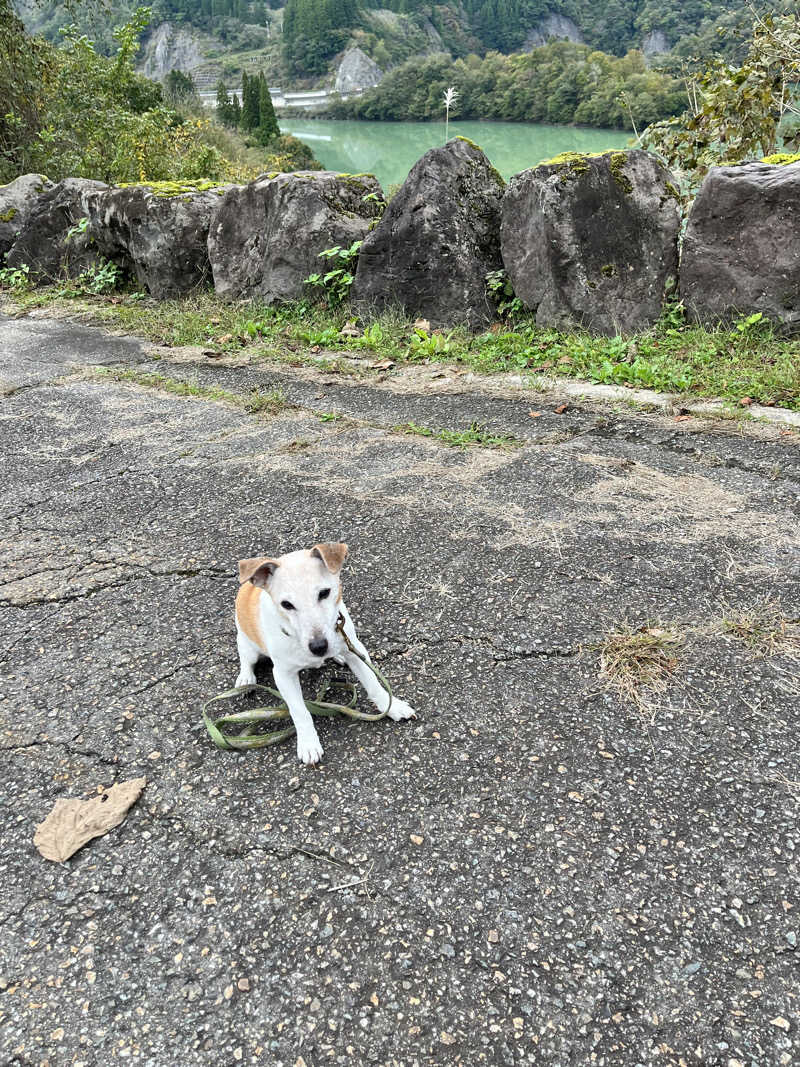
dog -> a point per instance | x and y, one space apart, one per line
288 609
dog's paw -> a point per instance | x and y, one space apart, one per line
399 710
245 678
309 750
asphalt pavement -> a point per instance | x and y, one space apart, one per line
536 870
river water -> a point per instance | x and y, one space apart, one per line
390 149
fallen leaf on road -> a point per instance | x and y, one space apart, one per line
561 409
682 418
534 414
73 822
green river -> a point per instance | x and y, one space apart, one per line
390 149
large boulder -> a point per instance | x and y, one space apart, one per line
357 72
54 242
265 238
592 241
159 229
741 252
16 202
438 239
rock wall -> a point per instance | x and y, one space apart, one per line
552 26
741 253
592 241
357 72
588 241
169 48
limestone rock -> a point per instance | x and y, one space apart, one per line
655 43
265 238
437 240
592 241
45 244
741 252
170 48
16 201
552 26
161 231
356 72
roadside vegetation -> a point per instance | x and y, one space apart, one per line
743 364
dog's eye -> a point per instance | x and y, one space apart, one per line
323 593
287 605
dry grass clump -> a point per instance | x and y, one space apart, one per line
638 664
765 630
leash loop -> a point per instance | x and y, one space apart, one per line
255 717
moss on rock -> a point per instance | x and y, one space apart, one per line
782 159
168 190
7 216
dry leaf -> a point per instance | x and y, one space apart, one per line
422 324
561 409
385 364
746 401
534 414
73 822
349 330
225 339
682 418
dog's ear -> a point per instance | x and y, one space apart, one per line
257 570
332 555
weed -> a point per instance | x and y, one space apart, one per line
474 435
336 283
764 630
271 403
16 279
78 230
425 346
638 663
501 291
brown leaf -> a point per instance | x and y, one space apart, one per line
561 409
225 339
746 401
422 324
73 822
565 361
682 418
534 414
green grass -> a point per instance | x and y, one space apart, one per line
747 360
475 435
255 402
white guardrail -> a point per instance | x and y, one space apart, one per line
312 98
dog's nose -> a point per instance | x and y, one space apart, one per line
319 646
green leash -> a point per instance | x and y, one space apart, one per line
257 717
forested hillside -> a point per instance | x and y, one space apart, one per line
419 45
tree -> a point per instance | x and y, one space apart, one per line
268 124
225 110
250 104
25 66
737 112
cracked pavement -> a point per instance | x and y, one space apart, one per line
532 872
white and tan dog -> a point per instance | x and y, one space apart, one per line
287 609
